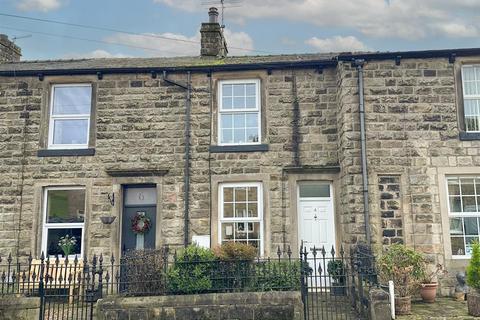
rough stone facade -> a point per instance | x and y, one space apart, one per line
412 135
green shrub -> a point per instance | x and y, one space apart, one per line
473 268
191 271
277 276
336 270
404 266
235 251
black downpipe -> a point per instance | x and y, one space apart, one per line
186 175
366 212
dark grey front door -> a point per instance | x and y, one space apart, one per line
139 200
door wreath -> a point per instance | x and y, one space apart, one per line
140 223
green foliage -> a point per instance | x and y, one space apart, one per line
235 251
473 268
336 269
404 266
191 272
277 276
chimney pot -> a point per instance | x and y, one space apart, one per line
213 15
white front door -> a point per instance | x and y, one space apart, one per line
316 217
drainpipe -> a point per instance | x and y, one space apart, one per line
186 175
359 64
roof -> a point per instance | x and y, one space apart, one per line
209 64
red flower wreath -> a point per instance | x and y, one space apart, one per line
140 223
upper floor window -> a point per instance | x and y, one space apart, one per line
70 109
464 214
471 97
239 112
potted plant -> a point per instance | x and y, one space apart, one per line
336 270
429 284
405 267
473 281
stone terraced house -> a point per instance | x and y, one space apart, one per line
266 150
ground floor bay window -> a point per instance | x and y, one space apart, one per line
464 214
63 221
241 214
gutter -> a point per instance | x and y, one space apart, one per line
363 146
186 175
311 64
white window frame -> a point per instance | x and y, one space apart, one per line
222 219
461 214
52 118
250 110
472 96
46 226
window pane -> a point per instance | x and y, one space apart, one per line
453 187
251 89
252 193
72 100
227 136
228 210
240 194
53 238
252 135
252 210
226 121
458 247
240 210
227 103
227 90
239 90
252 120
455 204
228 194
140 196
467 187
227 231
65 206
251 102
70 132
471 225
314 190
239 103
469 204
456 227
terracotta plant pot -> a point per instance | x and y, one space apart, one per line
428 291
473 302
403 305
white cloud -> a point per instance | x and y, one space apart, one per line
408 19
337 44
94 54
157 44
39 5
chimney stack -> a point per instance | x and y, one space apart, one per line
9 51
212 40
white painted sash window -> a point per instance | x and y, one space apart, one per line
464 214
241 214
70 109
63 214
471 97
239 112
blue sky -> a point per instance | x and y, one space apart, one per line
258 27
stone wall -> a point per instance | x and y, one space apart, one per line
221 306
14 307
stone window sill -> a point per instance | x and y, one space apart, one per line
240 148
468 136
66 152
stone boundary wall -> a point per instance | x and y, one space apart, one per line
17 307
224 306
